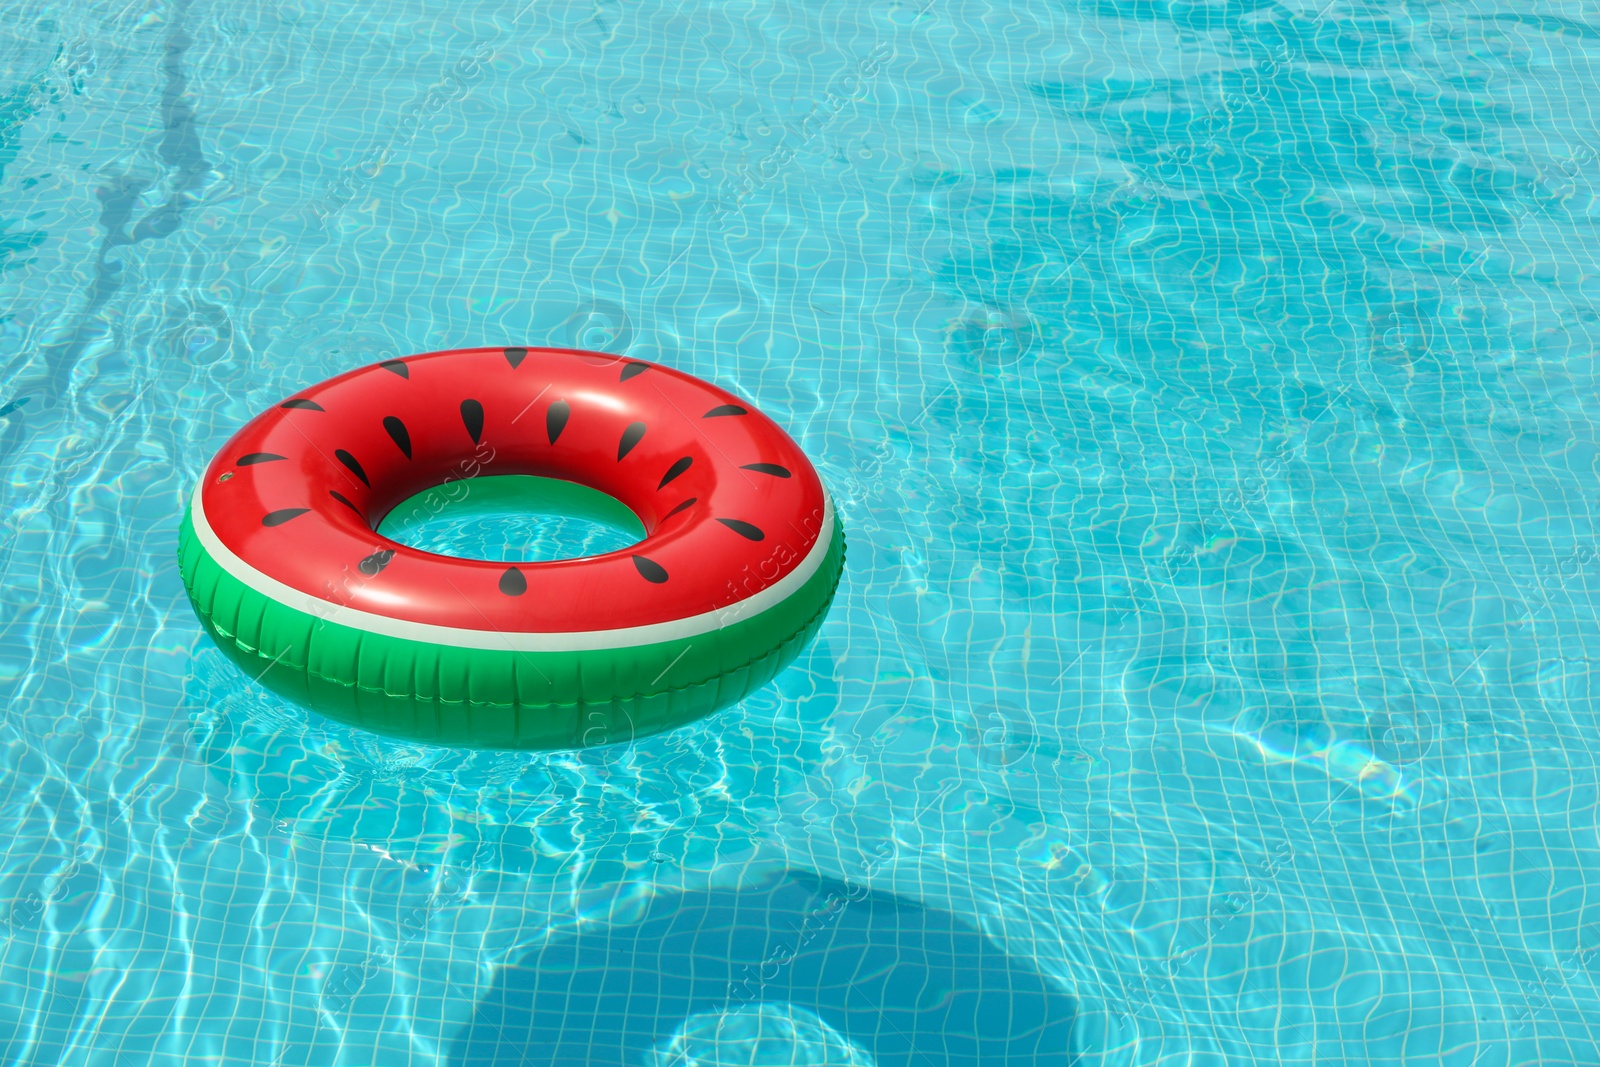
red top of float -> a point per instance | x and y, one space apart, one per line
729 503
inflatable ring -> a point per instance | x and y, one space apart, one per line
282 555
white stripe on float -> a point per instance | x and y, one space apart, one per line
513 641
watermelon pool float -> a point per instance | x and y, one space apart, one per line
285 559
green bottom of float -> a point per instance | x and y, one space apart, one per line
488 698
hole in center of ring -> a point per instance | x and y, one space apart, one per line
513 518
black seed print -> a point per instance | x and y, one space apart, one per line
350 461
650 570
398 434
281 516
515 356
250 459
341 498
767 468
472 418
679 508
304 405
673 471
633 370
724 409
512 583
630 437
744 529
396 366
555 419
375 562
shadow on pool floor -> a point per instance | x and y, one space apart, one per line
870 973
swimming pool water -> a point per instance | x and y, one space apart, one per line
1208 390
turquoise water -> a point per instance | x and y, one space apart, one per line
1208 391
